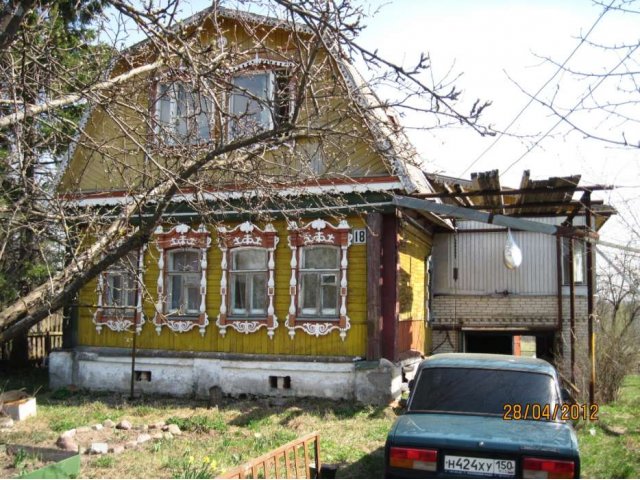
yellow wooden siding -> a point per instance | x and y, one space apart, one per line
415 247
258 342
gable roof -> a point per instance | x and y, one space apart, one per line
390 139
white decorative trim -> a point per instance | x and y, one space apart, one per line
256 62
247 235
308 190
318 232
179 237
121 323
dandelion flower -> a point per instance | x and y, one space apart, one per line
206 460
214 464
191 459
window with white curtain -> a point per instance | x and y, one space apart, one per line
248 280
319 281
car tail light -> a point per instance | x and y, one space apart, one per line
414 458
547 468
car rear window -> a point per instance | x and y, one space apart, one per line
480 391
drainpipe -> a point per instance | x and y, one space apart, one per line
572 311
590 296
559 293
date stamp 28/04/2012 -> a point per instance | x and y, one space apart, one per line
537 411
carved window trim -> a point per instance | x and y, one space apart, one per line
120 323
181 237
247 235
317 233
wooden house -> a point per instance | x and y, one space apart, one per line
323 295
338 289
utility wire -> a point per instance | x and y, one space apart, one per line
563 118
560 68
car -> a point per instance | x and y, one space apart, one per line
483 416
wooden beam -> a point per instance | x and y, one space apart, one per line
470 214
520 191
374 313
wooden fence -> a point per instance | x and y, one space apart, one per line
293 460
42 338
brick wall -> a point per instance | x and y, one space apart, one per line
516 311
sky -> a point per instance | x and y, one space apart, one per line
500 50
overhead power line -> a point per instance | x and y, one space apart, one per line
560 68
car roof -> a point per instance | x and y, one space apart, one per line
490 361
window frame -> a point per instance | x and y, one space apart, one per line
172 273
250 310
274 69
121 318
241 238
580 258
303 272
318 233
181 238
167 132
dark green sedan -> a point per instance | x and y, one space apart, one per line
483 416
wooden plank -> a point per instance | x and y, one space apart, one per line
307 466
389 294
374 313
317 454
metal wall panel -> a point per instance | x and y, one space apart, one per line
481 269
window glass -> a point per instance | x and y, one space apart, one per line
184 276
248 279
254 259
185 115
120 283
250 102
319 273
579 264
320 257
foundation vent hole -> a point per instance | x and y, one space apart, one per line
280 383
143 375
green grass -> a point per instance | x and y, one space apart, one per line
351 435
605 455
199 423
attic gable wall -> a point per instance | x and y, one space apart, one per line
110 152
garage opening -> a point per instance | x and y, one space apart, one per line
539 345
489 343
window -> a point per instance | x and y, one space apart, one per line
248 279
120 286
183 115
247 283
119 300
319 273
182 279
579 262
318 282
259 100
183 276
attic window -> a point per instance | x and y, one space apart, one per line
260 99
183 114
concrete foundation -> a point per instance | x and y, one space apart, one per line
366 382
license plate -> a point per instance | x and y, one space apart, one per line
489 467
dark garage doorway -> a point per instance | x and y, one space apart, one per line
539 344
489 343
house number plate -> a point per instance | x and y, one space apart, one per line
359 236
